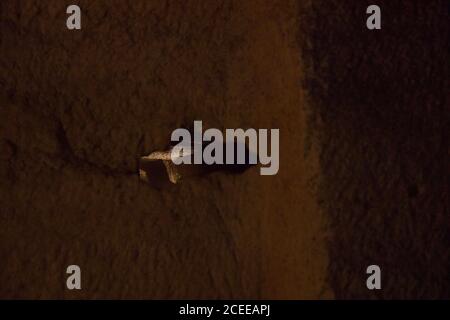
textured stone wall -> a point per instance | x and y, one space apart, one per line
79 108
380 110
363 157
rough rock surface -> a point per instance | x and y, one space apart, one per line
363 118
79 108
381 111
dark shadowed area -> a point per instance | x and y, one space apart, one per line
380 108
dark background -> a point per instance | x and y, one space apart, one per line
380 104
363 171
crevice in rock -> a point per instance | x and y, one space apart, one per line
70 157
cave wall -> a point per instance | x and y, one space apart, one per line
380 110
79 108
362 123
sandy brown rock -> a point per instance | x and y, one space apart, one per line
79 108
